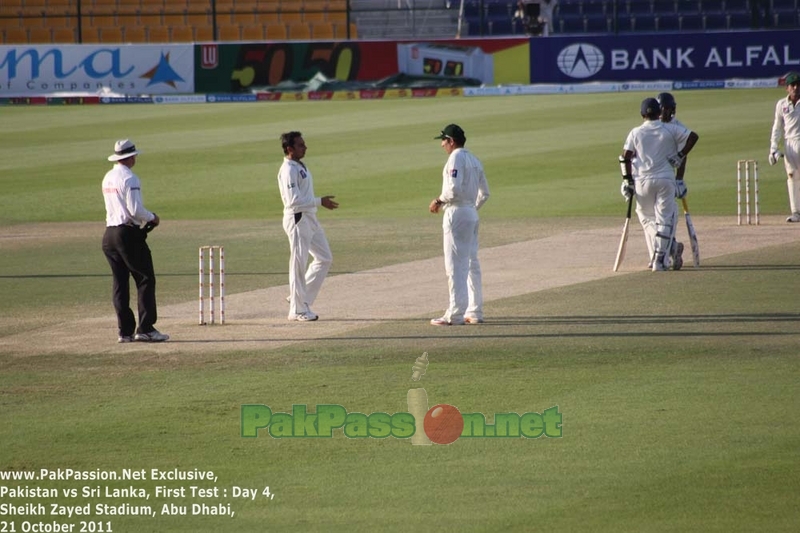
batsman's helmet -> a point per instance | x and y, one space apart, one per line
650 108
666 100
668 105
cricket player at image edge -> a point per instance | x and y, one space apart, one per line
659 148
464 191
787 124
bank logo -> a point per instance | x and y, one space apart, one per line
580 60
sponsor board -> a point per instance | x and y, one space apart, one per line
695 56
657 86
125 100
226 98
699 84
27 70
180 99
769 83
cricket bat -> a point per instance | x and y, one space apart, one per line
623 241
692 234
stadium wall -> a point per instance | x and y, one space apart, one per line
174 72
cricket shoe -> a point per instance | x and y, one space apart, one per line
473 320
153 336
444 321
308 316
794 218
677 256
125 338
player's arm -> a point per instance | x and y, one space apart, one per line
132 190
453 177
626 163
689 145
777 133
483 189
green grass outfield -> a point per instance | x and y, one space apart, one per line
678 392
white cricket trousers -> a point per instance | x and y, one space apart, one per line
460 229
657 211
791 161
306 237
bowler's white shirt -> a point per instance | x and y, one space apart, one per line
297 188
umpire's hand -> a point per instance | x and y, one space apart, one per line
150 226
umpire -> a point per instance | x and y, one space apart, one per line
125 246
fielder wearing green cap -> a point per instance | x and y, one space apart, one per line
464 191
787 125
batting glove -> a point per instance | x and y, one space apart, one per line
680 189
676 160
774 155
627 189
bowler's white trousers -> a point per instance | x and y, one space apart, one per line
306 237
460 229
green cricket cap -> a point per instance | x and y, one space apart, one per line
792 77
452 131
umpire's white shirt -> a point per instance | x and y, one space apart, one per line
297 188
122 193
652 144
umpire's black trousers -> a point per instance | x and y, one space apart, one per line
126 250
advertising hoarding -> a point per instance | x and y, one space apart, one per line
27 70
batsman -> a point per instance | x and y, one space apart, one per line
659 148
668 110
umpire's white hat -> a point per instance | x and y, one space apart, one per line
123 149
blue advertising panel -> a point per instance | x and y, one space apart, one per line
695 56
110 69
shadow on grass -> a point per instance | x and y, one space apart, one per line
645 334
594 320
724 268
492 329
158 275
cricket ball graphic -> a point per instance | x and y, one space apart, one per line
443 424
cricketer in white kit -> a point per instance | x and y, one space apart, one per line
787 125
464 191
659 148
306 236
668 109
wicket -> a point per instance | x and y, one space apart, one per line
221 291
749 165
